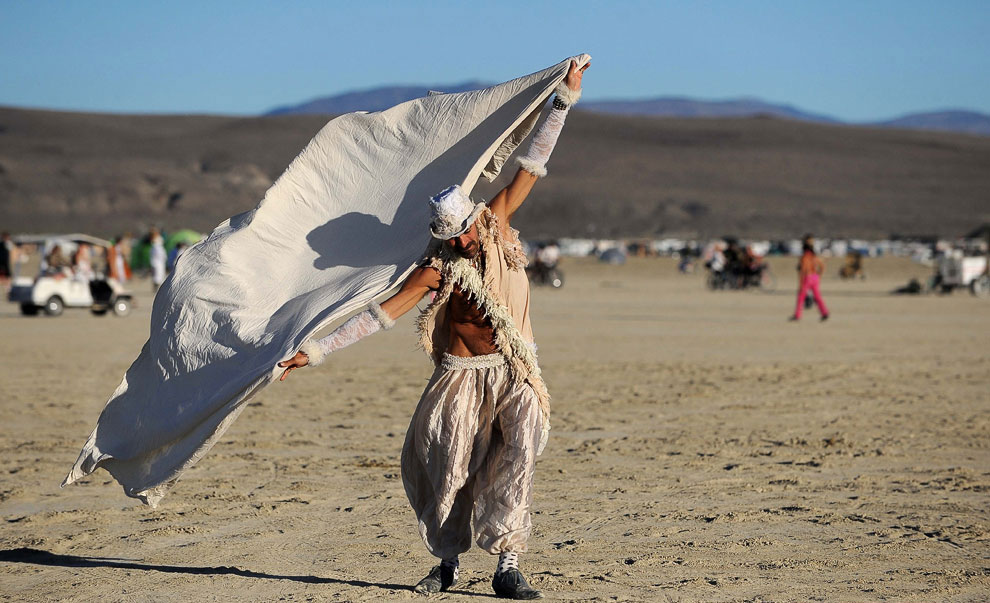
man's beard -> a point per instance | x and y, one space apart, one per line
469 252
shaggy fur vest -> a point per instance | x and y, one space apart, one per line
500 291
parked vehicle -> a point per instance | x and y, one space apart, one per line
543 275
55 289
954 271
759 278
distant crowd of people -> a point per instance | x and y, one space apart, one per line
733 266
86 261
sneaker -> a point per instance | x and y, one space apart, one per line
824 317
438 580
511 584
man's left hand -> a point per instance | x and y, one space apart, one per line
575 74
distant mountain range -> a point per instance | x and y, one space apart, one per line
674 106
378 99
969 122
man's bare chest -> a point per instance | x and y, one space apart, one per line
463 310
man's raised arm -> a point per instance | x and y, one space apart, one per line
533 163
374 319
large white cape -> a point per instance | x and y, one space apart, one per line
346 222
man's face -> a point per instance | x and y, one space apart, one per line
466 245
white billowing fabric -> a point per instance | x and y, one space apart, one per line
472 446
344 223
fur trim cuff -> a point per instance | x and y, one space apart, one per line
381 316
313 351
567 95
533 167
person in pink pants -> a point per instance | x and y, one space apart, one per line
810 270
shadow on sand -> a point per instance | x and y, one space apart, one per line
37 557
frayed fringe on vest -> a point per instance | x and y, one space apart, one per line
456 270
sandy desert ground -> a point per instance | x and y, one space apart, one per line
704 449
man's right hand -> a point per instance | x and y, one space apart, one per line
298 361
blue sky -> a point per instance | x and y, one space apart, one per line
853 60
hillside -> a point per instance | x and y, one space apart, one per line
610 175
375 99
969 122
674 106
383 97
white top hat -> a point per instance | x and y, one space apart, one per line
453 213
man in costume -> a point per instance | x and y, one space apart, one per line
471 446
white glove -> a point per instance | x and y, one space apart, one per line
535 159
356 328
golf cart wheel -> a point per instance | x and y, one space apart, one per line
980 286
54 306
29 309
122 307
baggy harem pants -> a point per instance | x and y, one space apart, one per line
470 451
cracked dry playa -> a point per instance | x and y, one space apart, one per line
703 450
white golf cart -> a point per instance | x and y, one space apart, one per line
55 289
956 271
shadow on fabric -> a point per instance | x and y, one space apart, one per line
361 240
343 241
